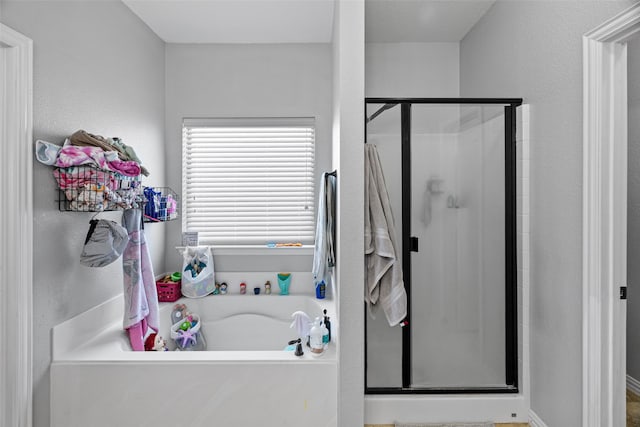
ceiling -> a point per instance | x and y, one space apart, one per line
237 21
394 21
305 21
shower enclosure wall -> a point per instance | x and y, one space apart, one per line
450 170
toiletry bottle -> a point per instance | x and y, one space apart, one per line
315 338
327 324
320 289
325 334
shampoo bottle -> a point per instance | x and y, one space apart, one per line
321 289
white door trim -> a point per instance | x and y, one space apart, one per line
16 225
605 218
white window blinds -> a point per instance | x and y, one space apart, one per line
248 181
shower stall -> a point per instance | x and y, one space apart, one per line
450 171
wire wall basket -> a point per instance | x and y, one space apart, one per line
162 204
88 189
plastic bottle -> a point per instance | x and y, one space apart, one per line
321 289
327 324
325 335
315 338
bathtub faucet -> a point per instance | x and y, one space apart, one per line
298 343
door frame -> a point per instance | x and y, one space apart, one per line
16 228
605 217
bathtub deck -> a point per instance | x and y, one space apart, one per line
97 381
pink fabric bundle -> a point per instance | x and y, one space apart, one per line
80 177
71 155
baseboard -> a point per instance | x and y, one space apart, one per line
535 420
633 384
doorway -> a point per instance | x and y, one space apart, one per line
16 53
605 218
633 237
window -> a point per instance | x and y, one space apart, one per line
248 181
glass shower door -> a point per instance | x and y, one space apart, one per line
384 344
450 171
458 273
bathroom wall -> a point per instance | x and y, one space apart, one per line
533 50
348 158
262 80
633 210
418 70
98 68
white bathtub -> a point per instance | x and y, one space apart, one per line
245 379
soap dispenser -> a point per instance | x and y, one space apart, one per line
327 324
315 338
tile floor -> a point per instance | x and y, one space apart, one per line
633 414
633 409
497 425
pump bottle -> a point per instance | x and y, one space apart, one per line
315 338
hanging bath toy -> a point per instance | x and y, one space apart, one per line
198 273
187 334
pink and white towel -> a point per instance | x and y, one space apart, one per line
140 297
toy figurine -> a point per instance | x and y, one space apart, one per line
216 291
267 288
243 288
154 342
223 288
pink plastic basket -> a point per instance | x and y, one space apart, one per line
168 291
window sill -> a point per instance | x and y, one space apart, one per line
258 250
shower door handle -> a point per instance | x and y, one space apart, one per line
413 244
623 292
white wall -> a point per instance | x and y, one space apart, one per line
348 159
98 68
633 206
418 70
262 80
533 50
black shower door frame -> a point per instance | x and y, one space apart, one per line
511 280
